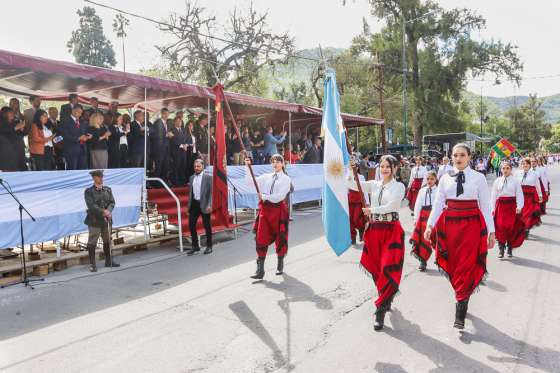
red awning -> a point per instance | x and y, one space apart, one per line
25 75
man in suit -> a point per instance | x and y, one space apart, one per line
270 142
159 138
201 135
314 154
200 204
136 140
94 103
66 109
28 114
74 134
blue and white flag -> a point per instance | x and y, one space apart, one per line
56 200
336 219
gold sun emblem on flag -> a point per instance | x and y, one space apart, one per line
335 168
218 106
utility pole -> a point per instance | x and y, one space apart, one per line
382 108
481 120
405 95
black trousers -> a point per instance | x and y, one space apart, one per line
179 170
162 164
194 213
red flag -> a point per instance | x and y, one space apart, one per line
219 179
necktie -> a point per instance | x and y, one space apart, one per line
380 196
460 179
524 176
274 178
77 123
417 169
429 194
504 184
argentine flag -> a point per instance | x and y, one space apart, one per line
336 220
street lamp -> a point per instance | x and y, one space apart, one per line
405 70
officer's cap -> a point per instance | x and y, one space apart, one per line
98 173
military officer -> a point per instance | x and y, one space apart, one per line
100 203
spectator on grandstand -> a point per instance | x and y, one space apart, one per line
66 109
314 154
98 155
29 114
257 144
136 140
115 140
39 137
94 106
9 144
75 137
201 135
270 142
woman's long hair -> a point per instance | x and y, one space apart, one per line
37 118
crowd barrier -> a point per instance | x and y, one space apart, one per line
56 200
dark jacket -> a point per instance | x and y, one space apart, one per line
205 192
8 141
158 136
65 111
71 133
201 135
136 139
179 138
313 155
96 202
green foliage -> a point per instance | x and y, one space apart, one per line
88 43
552 143
528 125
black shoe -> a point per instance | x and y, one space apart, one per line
111 263
193 251
527 234
502 249
461 314
509 252
379 318
280 266
259 274
361 235
353 241
423 265
93 268
208 250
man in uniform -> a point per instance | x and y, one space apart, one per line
100 204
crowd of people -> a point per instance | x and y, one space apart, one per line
81 137
449 201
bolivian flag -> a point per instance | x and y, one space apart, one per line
500 151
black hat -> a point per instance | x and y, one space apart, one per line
98 173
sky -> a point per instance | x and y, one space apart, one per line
44 27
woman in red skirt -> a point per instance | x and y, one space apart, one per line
355 206
539 167
417 179
529 179
422 248
463 228
383 252
507 204
271 225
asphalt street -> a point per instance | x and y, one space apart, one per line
166 312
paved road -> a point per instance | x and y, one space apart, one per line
166 313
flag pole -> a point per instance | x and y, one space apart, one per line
356 177
238 136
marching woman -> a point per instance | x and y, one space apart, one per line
383 252
422 248
540 168
271 225
355 206
507 203
445 168
463 230
529 179
417 176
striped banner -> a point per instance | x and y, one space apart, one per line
56 200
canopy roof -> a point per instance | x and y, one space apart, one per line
453 138
25 75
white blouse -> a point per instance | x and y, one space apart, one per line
475 187
274 186
541 171
507 187
384 198
444 169
417 172
426 197
529 178
46 134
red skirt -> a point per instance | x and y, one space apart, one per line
412 193
383 257
544 198
531 213
510 228
271 226
461 241
357 217
421 248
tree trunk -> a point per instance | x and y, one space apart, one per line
417 123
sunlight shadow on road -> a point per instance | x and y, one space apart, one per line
297 291
388 368
445 357
251 321
519 351
496 286
525 262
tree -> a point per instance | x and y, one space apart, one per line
88 44
120 24
528 124
441 55
238 49
552 144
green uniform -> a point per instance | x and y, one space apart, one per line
97 201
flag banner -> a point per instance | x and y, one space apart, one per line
336 219
219 178
56 201
501 150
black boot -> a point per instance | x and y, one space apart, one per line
461 314
91 252
502 249
280 266
380 317
423 265
509 251
259 274
109 262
